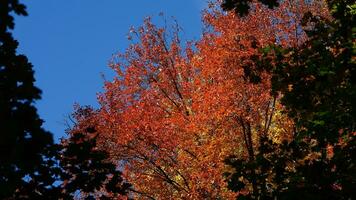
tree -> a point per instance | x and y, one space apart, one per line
31 165
175 111
317 83
24 145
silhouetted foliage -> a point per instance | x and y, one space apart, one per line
293 171
242 7
24 146
317 80
87 172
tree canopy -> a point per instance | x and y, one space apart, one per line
262 106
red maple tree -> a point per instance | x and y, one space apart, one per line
175 111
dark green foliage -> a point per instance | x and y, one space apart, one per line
87 170
288 171
317 81
322 74
242 7
24 145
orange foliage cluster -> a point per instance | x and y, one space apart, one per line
175 111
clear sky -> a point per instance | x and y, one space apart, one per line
70 42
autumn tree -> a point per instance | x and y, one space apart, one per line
175 111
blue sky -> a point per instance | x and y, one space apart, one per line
70 42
